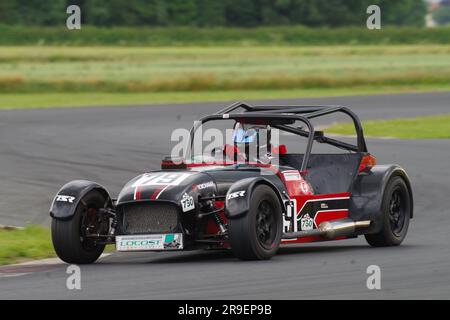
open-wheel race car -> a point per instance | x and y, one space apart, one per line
249 196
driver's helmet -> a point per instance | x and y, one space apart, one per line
241 135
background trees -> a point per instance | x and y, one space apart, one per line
442 15
208 13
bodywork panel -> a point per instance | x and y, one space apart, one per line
367 193
66 200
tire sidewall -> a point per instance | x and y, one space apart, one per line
396 184
262 193
66 234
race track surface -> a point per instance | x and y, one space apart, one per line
40 150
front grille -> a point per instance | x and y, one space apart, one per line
149 217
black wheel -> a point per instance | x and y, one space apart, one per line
70 237
257 235
396 208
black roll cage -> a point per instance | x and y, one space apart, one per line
296 113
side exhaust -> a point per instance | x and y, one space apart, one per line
331 229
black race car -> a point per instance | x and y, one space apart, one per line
248 202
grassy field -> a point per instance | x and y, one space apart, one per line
169 74
432 127
34 242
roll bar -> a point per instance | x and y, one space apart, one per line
296 113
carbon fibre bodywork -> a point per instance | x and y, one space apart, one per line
69 196
367 194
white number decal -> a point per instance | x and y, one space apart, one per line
187 203
306 222
155 179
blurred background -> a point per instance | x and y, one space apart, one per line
156 51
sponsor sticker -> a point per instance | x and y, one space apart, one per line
306 222
205 185
292 175
187 203
171 241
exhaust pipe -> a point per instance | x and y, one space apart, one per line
331 229
344 227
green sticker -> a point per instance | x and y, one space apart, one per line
169 238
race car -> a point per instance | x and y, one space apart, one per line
249 196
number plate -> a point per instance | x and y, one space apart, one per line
153 242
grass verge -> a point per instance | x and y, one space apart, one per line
33 242
53 100
429 127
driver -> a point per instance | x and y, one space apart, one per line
241 136
246 143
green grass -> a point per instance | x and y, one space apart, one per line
52 100
78 76
431 127
31 243
105 69
34 242
188 36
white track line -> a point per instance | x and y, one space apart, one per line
41 262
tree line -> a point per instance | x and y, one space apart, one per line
213 13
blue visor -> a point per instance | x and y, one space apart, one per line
244 136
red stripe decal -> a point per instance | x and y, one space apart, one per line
138 193
157 192
330 215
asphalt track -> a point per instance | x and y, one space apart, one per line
42 149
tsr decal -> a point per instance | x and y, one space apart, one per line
62 198
236 194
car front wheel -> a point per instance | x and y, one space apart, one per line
257 235
71 239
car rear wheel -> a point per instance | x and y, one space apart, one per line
257 235
396 208
70 237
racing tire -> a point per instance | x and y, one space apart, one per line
396 211
257 234
67 234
